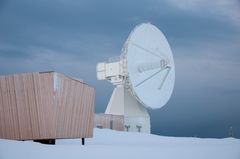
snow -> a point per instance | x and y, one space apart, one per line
114 144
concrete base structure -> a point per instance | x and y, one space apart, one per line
136 117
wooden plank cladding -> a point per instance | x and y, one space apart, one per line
45 105
115 122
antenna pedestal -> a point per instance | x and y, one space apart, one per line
136 117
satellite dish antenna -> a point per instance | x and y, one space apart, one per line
143 74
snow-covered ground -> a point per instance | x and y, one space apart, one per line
113 144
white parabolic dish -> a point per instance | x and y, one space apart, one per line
150 66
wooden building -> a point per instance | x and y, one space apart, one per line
45 105
109 121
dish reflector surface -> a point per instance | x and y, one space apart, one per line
150 65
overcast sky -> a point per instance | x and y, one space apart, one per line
71 36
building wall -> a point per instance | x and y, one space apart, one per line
115 122
44 106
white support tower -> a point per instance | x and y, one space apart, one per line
122 102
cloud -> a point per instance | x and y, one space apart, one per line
208 65
223 9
